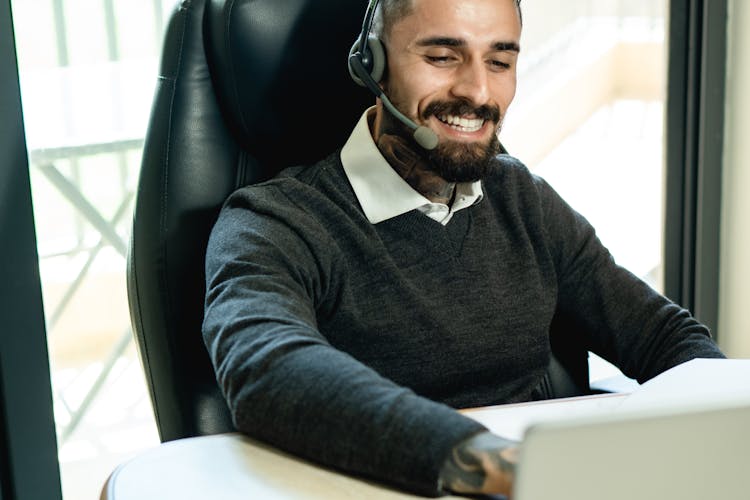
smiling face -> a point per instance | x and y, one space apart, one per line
452 68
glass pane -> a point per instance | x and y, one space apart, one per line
589 115
88 69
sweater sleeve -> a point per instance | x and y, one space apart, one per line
284 382
625 320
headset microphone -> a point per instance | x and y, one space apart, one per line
366 66
424 136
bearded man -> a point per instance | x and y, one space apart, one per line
353 305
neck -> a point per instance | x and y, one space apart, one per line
415 170
408 162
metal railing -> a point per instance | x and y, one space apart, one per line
93 229
44 161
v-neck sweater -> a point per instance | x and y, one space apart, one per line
352 343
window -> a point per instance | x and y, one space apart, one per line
88 69
589 117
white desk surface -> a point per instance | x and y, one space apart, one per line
234 466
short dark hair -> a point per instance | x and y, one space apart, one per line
389 11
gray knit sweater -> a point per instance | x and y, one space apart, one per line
350 343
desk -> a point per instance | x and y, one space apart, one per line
234 467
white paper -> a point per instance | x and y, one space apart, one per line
700 383
697 383
511 421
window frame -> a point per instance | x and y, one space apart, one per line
694 155
28 445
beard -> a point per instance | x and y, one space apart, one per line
456 161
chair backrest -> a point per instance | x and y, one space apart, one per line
246 87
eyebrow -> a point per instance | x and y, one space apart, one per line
445 41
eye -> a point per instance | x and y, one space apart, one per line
499 65
440 56
439 60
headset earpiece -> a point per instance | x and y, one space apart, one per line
373 60
366 65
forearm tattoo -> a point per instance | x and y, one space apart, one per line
482 464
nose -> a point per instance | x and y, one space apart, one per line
471 82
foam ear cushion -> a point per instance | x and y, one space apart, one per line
377 67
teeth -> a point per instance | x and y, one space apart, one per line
462 124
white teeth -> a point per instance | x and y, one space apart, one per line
462 124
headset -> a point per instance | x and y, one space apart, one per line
366 67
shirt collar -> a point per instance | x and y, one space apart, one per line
381 192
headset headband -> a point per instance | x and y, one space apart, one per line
366 28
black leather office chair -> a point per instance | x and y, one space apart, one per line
246 88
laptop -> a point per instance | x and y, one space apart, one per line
679 452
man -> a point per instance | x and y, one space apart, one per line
353 304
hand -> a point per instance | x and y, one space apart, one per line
484 463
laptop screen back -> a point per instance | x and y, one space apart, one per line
692 454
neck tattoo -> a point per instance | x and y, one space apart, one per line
415 170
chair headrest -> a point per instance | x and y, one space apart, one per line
280 73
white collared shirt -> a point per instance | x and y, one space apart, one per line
382 193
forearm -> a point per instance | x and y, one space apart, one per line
635 327
621 318
319 403
484 463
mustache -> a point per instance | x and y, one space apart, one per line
485 112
